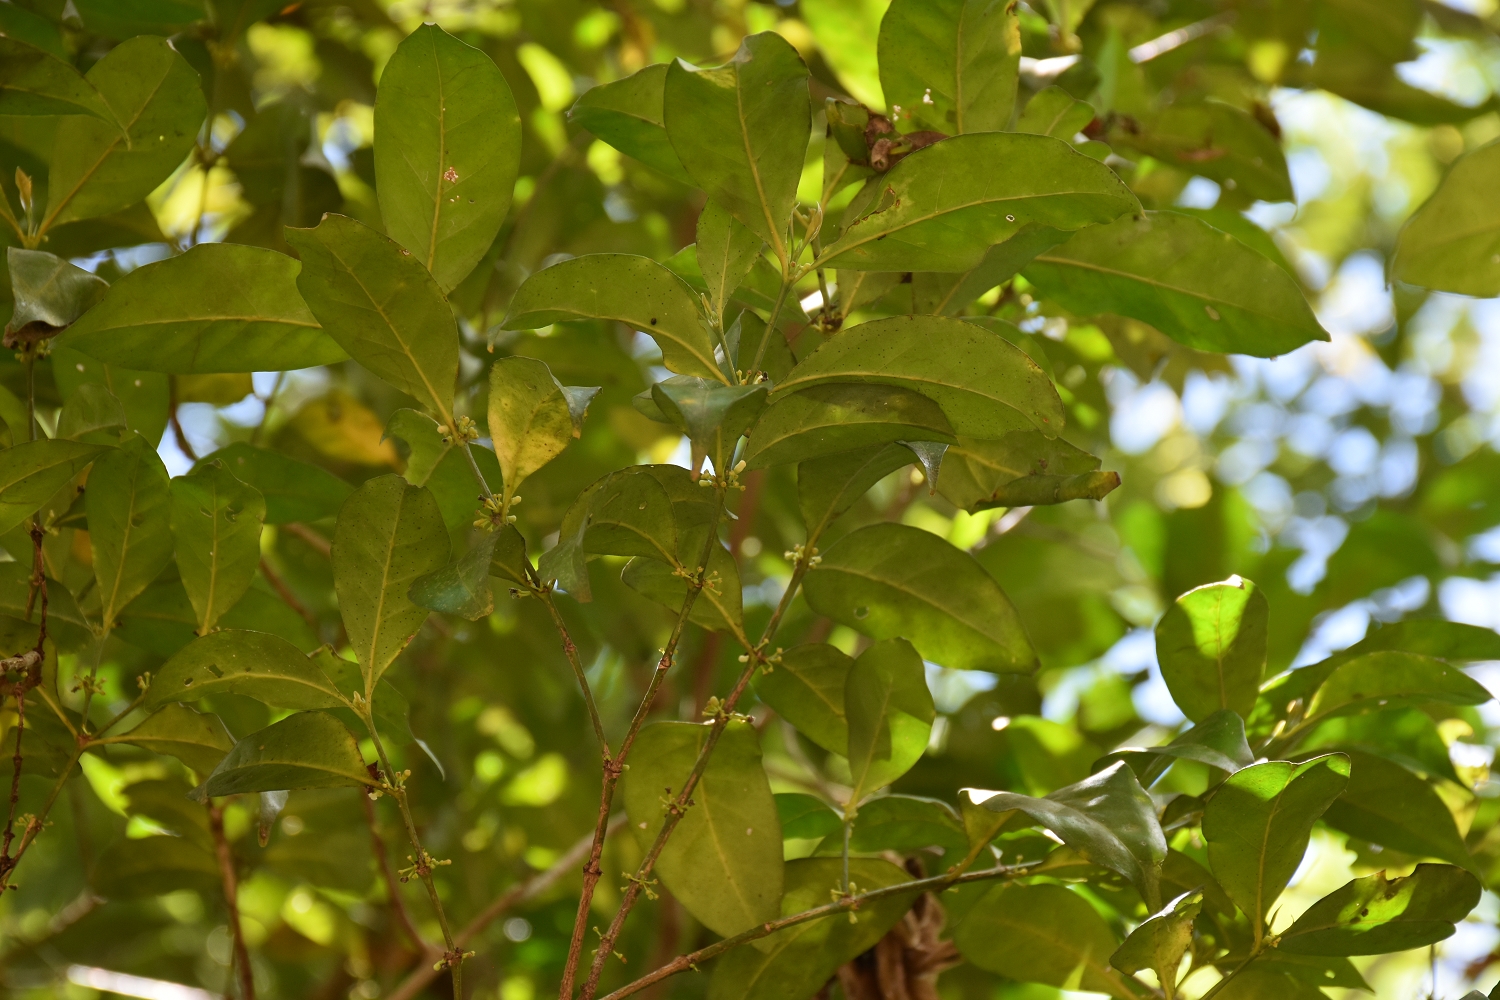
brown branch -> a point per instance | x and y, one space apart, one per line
286 595
231 899
311 537
517 894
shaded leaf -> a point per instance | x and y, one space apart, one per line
89 410
827 420
906 823
35 80
216 522
711 414
1160 941
1218 741
726 250
806 688
199 741
1388 805
49 291
306 750
1055 112
139 869
805 817
461 588
1215 140
1041 934
129 510
1022 469
1379 678
32 471
951 65
293 490
828 487
718 606
258 665
889 713
627 114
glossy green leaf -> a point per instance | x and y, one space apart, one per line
1197 285
1258 823
1375 915
529 418
711 414
943 207
216 522
1107 817
1218 741
828 487
889 580
1381 677
32 471
380 305
1055 112
199 741
1211 645
448 150
726 250
908 823
1388 805
306 750
806 688
1452 242
1159 942
217 308
723 862
130 534
826 420
950 65
293 490
36 81
633 290
805 817
889 712
1041 934
258 665
741 130
48 291
718 606
98 169
1021 469
986 386
1215 140
794 963
463 587
627 114
389 533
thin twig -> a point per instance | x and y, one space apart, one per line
392 886
225 857
314 540
286 595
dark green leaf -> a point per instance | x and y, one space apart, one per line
90 409
380 304
806 688
627 114
943 293
726 250
32 471
449 148
805 817
97 169
1197 285
950 65
718 606
1216 140
741 131
828 487
258 665
145 395
461 588
216 521
1379 678
633 290
306 750
906 823
1218 741
711 414
1041 934
217 308
293 490
723 862
1388 805
35 80
1055 112
199 741
1211 645
1022 469
1375 915
889 580
49 292
943 207
130 533
889 712
827 420
140 869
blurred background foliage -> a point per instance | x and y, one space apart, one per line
1355 481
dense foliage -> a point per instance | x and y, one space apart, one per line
824 655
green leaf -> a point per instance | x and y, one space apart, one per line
907 823
986 386
257 665
1258 823
463 587
1107 817
1215 140
711 414
530 419
951 65
828 487
1388 805
806 688
794 963
1055 112
216 521
145 395
943 207
726 251
1022 469
199 741
628 513
124 18
633 290
380 304
718 607
1378 678
97 169
427 443
130 532
32 471
741 131
827 420
1211 645
723 862
627 114
1218 741
449 148
219 307
805 817
1452 242
889 580
49 291
1375 915
140 869
1247 232
388 534
889 712
942 293
90 409
165 802
306 750
293 490
1197 285
35 81
1160 941
1431 637
1041 934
